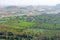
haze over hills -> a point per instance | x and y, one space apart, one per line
31 22
28 10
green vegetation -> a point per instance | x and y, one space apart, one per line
45 25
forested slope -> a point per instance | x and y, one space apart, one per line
45 25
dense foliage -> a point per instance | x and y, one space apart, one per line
38 27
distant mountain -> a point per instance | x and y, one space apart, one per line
12 7
29 10
57 7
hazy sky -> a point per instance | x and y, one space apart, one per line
29 2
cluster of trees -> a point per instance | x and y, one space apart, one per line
43 27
